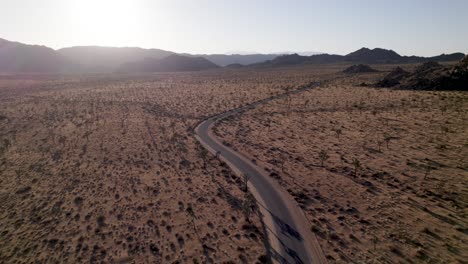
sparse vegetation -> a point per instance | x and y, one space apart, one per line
356 165
412 184
112 161
100 163
323 156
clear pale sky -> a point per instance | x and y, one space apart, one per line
419 27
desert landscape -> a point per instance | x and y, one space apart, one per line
313 132
380 173
114 174
106 168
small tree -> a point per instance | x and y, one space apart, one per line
323 156
191 214
245 178
357 165
342 158
379 143
282 161
375 240
247 205
427 170
338 132
203 153
387 139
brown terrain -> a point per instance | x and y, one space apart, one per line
381 174
105 168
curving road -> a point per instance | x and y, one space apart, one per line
289 235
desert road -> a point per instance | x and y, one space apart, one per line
289 233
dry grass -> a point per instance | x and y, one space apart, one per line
369 202
106 168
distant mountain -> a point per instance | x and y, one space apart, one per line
172 63
18 57
362 56
302 53
373 56
447 57
224 60
105 59
244 58
108 59
234 66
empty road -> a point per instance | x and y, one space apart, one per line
289 232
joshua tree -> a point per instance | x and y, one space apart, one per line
288 98
375 240
247 205
387 139
338 132
323 156
245 178
282 160
427 170
357 165
342 158
379 143
306 103
203 153
192 216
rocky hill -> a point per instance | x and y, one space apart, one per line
361 56
172 63
430 76
108 59
373 56
18 57
360 68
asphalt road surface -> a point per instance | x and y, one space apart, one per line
289 232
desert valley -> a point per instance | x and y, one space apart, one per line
134 155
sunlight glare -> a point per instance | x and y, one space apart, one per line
105 22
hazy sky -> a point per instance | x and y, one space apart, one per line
421 27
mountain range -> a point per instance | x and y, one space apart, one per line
171 63
108 59
17 57
363 55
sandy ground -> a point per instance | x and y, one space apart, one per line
381 174
106 169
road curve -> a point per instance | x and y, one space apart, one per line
289 235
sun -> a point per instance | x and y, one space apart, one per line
105 22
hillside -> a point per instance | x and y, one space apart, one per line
360 68
429 76
108 59
361 56
224 60
373 56
18 57
172 63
